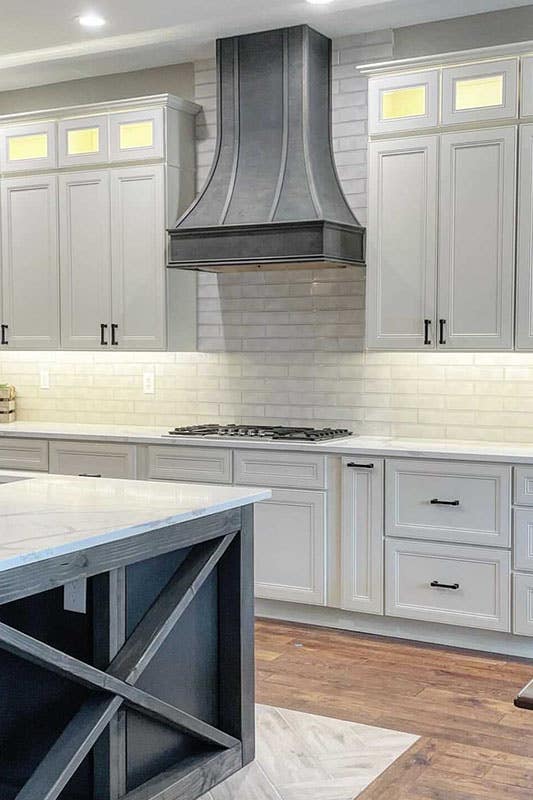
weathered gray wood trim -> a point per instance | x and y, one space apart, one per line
236 632
31 579
192 778
161 618
109 625
67 753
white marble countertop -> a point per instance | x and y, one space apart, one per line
52 515
460 450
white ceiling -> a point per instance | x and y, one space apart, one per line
43 42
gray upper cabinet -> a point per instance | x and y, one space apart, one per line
85 248
526 92
403 102
138 256
476 239
480 92
30 263
524 275
402 244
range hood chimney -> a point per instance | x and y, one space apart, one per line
273 198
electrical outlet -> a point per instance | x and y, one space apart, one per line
45 379
148 382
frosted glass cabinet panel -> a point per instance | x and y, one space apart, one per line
402 244
403 102
478 92
28 148
30 262
137 135
83 141
476 239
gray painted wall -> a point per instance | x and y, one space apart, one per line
462 33
176 79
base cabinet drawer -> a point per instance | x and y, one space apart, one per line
189 464
468 586
97 459
290 547
456 502
523 486
263 468
30 454
523 604
523 539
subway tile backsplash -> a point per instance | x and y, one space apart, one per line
287 347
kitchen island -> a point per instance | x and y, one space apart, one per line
126 638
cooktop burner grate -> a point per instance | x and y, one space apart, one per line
263 432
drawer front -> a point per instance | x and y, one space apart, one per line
523 539
523 486
523 604
190 464
480 577
98 459
466 503
290 547
31 454
298 470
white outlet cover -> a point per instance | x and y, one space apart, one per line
148 382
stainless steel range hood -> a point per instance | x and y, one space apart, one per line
273 198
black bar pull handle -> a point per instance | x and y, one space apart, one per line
88 475
442 323
427 325
4 337
360 466
436 502
103 329
439 585
114 328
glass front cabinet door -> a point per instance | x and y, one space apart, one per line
137 135
27 148
403 102
83 141
477 92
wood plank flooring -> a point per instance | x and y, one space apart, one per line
474 744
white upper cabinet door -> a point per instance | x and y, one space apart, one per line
26 148
138 257
85 255
403 102
476 239
83 141
362 534
526 93
402 244
524 273
137 135
30 262
478 92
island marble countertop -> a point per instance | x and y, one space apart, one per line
53 515
450 449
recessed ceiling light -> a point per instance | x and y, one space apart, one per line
91 20
319 2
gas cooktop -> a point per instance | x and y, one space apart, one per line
262 432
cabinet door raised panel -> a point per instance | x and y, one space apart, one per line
30 262
85 251
138 245
362 535
402 244
524 258
476 239
290 546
